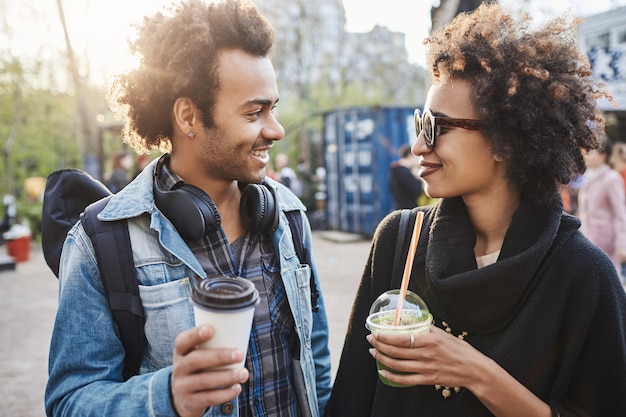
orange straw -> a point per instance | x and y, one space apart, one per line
408 266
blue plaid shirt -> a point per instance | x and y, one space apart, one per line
269 390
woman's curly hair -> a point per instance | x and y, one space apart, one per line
179 58
532 88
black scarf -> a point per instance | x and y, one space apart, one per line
453 285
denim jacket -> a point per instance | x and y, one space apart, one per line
86 357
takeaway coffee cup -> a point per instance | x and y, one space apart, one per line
227 304
414 318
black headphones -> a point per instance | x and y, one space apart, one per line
194 214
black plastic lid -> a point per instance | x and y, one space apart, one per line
224 293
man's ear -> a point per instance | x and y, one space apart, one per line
185 116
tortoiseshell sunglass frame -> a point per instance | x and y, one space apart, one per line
429 124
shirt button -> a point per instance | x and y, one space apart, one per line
227 408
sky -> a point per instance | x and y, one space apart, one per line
101 27
412 17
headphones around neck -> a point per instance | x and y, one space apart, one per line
194 214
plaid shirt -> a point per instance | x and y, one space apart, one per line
269 390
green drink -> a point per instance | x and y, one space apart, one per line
414 318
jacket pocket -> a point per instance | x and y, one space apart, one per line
168 312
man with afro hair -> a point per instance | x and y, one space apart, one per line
204 93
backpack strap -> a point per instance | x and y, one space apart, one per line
304 255
400 255
111 242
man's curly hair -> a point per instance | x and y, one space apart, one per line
179 58
532 88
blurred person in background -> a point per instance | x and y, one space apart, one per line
286 175
602 204
119 177
618 160
141 162
307 183
405 186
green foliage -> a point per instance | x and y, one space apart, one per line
37 132
44 139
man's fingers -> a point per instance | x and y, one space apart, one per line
200 360
193 392
188 340
188 359
210 380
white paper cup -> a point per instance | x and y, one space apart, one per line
227 304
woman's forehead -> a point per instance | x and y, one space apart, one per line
451 97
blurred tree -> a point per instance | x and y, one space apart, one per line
91 157
11 94
39 129
36 128
321 67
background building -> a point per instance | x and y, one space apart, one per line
603 38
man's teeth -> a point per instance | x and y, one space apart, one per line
260 154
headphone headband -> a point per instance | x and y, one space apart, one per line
194 214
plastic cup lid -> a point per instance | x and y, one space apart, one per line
225 293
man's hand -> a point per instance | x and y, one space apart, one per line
196 384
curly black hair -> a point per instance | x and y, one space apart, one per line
179 58
532 87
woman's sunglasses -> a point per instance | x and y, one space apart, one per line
431 125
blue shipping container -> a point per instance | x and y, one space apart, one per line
359 146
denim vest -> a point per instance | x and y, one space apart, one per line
86 357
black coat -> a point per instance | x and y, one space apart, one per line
551 311
405 187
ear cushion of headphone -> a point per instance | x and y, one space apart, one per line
258 209
191 210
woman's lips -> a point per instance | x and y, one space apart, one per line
427 168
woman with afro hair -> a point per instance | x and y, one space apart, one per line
529 317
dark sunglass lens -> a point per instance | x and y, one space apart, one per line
418 122
428 125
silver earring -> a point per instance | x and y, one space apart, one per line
191 135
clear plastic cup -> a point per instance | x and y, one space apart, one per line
414 318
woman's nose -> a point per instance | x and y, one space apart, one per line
419 146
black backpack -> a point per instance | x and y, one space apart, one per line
70 195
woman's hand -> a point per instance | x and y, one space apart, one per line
436 358
439 358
